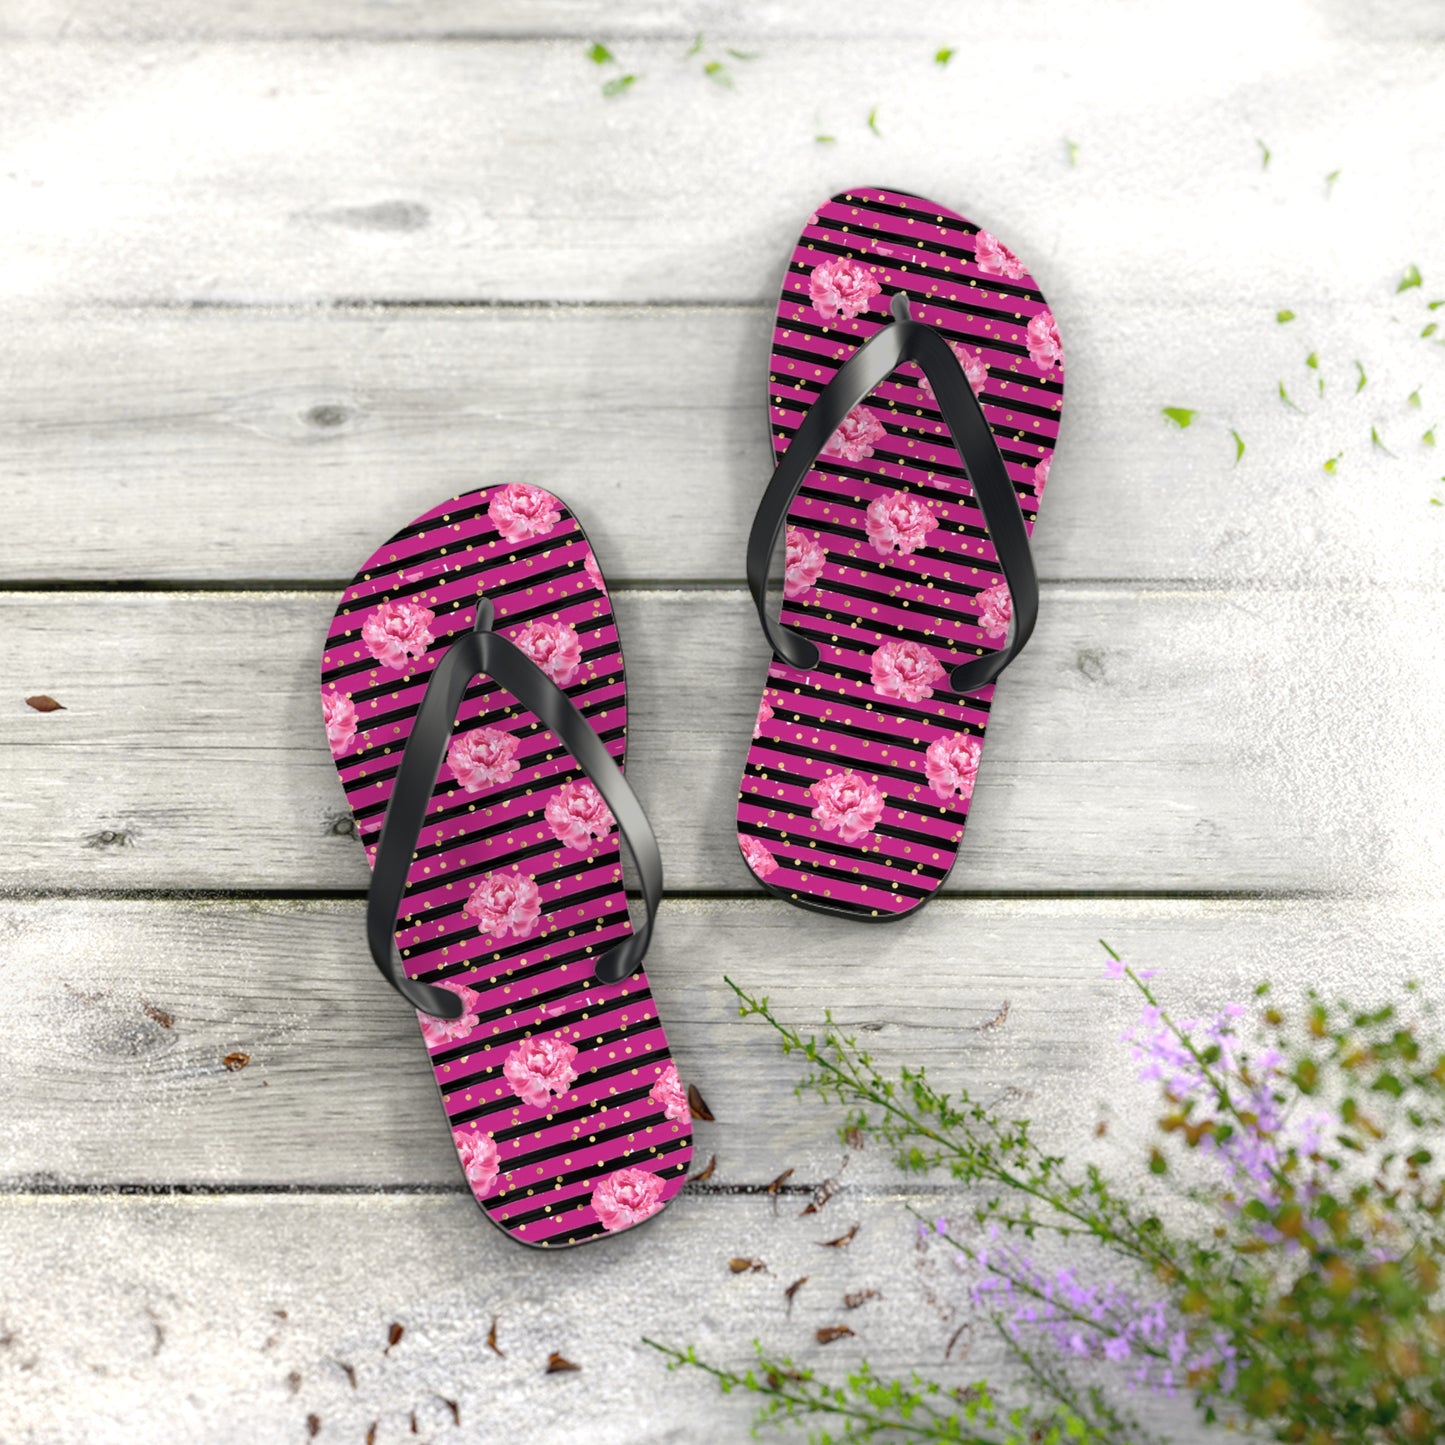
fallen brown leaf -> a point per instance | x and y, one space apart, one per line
414 1430
313 1425
294 1381
1100 1129
371 1433
792 1289
698 1105
492 1344
829 1333
739 1265
823 1193
953 1340
776 1377
393 1337
349 1371
559 1365
157 1015
41 703
859 1297
776 1185
234 1063
854 1136
453 1407
706 1173
996 1022
841 1241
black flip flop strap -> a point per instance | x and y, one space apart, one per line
866 369
485 651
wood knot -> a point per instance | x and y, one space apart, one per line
327 415
111 838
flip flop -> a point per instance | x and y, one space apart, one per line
476 707
915 388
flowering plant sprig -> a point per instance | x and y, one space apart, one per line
1296 1293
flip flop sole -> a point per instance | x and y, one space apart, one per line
858 783
565 1107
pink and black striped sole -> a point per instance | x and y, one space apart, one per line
858 782
565 1107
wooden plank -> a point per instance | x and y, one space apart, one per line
119 1014
1172 739
265 172
232 1319
222 446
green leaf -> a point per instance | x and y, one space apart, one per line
943 55
1158 1164
1181 416
1330 183
1431 329
1360 384
1285 398
1313 361
618 84
825 140
873 121
1264 155
1409 279
1238 445
1072 148
1283 316
1436 502
1379 441
600 54
694 47
1429 437
743 54
1414 397
715 70
1332 466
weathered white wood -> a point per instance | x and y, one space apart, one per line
297 171
220 445
1170 739
118 1015
130 1319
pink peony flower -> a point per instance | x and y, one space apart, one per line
554 647
339 713
627 1197
900 521
848 803
1045 348
480 1162
993 258
396 631
841 285
577 815
594 572
1041 473
951 764
995 609
905 670
437 1032
803 563
520 512
482 758
765 716
756 856
669 1093
504 903
975 368
538 1068
853 441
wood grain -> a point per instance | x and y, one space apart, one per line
120 1013
1172 739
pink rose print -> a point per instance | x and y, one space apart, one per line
1045 348
853 441
848 803
504 903
804 562
669 1093
554 647
995 609
396 631
951 764
482 758
520 512
765 716
594 573
627 1197
975 368
1041 473
756 856
339 713
437 1031
900 521
479 1159
905 670
841 286
577 815
538 1068
993 258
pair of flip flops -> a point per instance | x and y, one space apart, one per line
475 703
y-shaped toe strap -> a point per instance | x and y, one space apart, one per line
485 651
882 354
